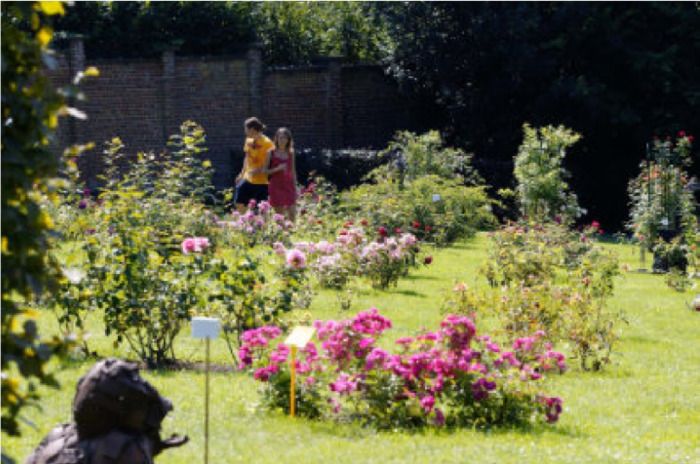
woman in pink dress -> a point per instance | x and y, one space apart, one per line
282 174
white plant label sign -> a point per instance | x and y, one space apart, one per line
205 327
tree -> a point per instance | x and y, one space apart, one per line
290 32
616 73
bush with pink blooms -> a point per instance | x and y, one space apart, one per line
259 224
134 237
382 259
152 262
547 277
448 377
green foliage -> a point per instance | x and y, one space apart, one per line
458 213
290 33
447 53
146 29
242 297
141 265
671 255
423 192
551 279
426 154
30 111
659 200
679 280
143 282
317 210
542 191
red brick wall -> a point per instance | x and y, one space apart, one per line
297 99
144 101
372 109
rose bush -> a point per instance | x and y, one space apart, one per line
448 377
151 259
549 278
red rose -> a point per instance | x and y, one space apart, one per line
382 231
397 230
595 225
416 225
428 228
428 260
691 138
681 133
364 222
348 224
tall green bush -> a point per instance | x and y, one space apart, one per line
542 189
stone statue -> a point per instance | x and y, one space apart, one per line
117 417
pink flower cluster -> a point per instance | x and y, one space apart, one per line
353 253
296 259
194 245
259 218
433 369
351 339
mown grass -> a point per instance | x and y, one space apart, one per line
643 409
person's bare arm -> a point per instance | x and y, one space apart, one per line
266 168
245 166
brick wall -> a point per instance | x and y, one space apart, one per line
326 105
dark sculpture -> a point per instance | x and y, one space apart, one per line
117 418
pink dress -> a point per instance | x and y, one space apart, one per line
282 185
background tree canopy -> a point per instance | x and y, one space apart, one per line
616 73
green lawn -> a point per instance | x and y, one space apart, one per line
643 409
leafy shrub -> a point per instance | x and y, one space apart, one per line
318 214
449 377
383 260
425 154
671 256
149 265
551 279
679 281
456 212
239 292
258 225
542 189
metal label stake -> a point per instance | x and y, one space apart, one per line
206 328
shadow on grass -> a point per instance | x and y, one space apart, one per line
408 293
470 245
420 277
353 430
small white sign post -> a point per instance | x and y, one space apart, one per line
436 197
206 328
299 337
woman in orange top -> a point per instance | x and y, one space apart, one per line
251 183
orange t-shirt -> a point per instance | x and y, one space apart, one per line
255 156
